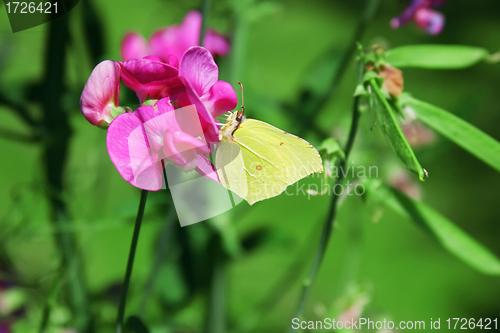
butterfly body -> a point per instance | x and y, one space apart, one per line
257 161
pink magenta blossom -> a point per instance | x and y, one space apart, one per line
173 41
426 18
178 128
150 78
101 93
140 142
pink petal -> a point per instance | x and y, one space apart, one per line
215 43
130 153
150 78
183 149
220 98
177 39
190 30
101 93
206 168
156 120
198 67
429 20
188 121
134 46
173 61
152 57
210 128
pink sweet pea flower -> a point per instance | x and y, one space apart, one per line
101 93
151 78
426 18
134 46
174 41
199 73
139 142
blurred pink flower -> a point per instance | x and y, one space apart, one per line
403 182
150 78
173 41
139 142
417 133
426 18
101 93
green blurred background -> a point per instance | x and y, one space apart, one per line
256 264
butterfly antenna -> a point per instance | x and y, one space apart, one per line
240 114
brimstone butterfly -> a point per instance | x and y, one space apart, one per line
258 161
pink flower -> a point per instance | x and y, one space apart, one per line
101 93
151 78
199 73
417 133
139 142
174 41
426 18
196 82
400 179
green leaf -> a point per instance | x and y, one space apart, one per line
451 237
135 325
436 56
372 75
457 130
393 133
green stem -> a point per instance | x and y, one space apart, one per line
330 219
130 263
205 8
316 105
164 244
217 294
57 132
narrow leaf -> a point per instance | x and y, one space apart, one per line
457 130
393 133
436 56
451 237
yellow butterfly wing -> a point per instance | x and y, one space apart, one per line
260 160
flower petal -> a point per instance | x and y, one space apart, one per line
151 78
220 98
130 153
183 149
216 43
198 67
134 46
101 93
408 13
429 20
206 168
177 39
207 120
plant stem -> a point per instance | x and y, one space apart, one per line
205 8
216 322
57 132
130 263
330 219
308 106
164 244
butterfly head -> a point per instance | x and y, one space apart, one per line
230 126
